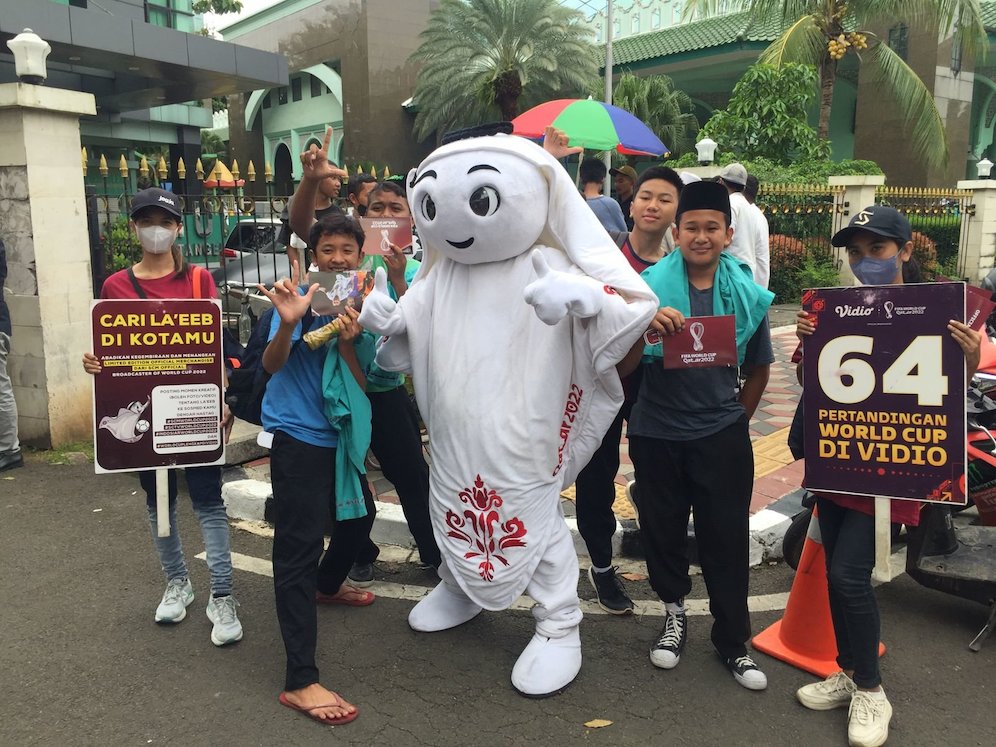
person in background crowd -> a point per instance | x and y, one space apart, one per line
157 220
357 192
762 249
10 448
624 180
592 173
743 221
320 202
653 209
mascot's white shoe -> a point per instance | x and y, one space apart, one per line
547 665
442 608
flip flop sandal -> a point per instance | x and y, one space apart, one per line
350 599
310 712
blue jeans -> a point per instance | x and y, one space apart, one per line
8 407
204 485
849 543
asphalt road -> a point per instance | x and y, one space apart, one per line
83 663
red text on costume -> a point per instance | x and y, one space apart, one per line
570 414
489 541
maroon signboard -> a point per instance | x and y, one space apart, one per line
158 398
705 342
885 392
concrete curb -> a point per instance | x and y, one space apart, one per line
246 499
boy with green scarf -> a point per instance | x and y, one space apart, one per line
688 433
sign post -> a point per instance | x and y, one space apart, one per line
885 397
157 402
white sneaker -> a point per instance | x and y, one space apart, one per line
227 628
868 720
833 692
173 607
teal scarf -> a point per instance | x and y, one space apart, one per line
348 410
733 292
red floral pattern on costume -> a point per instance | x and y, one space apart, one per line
481 518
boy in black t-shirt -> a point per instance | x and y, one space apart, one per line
688 422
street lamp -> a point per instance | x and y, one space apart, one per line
706 148
985 167
30 51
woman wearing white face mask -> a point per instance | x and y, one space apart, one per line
157 220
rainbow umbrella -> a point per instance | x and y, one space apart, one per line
592 124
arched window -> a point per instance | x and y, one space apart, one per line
655 18
635 26
616 28
598 33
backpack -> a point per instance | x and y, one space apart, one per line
247 383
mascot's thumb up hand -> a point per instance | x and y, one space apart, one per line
380 313
556 294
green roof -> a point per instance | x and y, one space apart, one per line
988 15
704 34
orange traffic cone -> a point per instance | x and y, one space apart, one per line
804 636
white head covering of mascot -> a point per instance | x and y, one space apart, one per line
512 330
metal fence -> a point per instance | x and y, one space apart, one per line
233 231
940 226
801 220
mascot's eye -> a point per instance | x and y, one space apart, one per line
485 201
428 208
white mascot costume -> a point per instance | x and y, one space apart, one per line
512 330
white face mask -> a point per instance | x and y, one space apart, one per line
156 239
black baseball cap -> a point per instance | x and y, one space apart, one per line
878 219
156 197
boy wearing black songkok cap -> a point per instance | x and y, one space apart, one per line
687 421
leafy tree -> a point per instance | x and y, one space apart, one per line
484 58
665 109
217 6
767 115
822 32
212 143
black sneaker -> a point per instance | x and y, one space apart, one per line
746 672
361 575
666 652
11 459
612 596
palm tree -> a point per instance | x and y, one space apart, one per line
482 58
665 109
823 32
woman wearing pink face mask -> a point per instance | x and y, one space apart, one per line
157 220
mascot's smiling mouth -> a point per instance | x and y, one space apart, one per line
460 244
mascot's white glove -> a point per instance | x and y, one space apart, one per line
379 312
556 294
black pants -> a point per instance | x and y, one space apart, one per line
303 478
714 477
848 538
397 444
595 491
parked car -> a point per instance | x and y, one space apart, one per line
252 235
